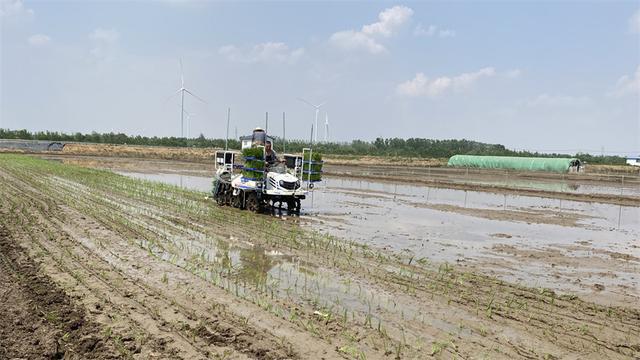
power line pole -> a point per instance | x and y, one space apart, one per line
226 138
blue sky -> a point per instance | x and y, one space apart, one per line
546 76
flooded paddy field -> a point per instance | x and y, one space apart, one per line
369 270
586 248
619 189
585 183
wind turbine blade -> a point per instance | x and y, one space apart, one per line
194 95
321 104
174 94
306 102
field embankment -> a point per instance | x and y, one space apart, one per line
179 277
196 154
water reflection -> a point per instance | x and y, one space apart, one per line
255 264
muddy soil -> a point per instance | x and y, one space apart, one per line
37 319
148 308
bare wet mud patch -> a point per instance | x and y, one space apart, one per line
37 319
529 216
599 275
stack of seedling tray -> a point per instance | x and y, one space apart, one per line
312 165
253 168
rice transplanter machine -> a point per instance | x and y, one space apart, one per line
260 185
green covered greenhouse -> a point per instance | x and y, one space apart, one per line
559 165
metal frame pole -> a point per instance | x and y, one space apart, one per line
226 138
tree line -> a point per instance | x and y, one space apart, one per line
118 138
412 147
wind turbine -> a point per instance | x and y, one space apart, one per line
189 116
317 107
326 126
181 91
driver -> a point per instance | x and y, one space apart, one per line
270 156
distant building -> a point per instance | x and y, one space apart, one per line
634 161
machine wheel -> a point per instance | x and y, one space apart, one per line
252 203
228 197
293 205
237 200
220 194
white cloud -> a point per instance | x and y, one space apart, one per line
390 21
557 100
627 85
104 42
433 30
355 40
14 8
420 85
269 52
422 31
634 22
105 35
38 40
513 73
446 33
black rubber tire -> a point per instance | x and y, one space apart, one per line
219 196
252 203
228 197
237 200
293 206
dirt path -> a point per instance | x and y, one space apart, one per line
178 277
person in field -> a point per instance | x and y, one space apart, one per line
270 155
